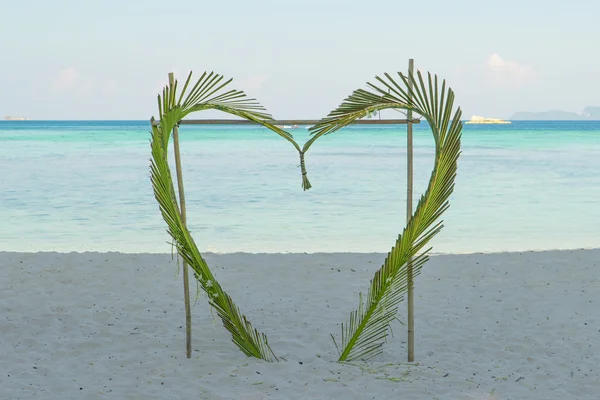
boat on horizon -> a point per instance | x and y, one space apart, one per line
9 118
287 126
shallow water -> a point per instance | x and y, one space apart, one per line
80 185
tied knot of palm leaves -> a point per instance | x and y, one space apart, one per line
305 182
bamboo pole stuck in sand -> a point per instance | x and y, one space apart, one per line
409 197
186 279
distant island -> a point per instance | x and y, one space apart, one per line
15 118
476 119
589 113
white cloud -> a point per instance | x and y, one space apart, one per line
67 78
71 81
508 71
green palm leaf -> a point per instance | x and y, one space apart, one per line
207 93
366 331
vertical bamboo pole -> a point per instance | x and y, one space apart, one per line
409 197
186 279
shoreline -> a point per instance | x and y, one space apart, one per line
110 325
214 253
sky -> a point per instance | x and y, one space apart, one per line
67 59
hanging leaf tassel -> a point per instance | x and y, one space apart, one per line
305 182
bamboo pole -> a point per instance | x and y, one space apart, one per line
409 197
186 279
291 122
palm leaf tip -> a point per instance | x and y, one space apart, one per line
367 329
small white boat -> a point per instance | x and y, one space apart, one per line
287 126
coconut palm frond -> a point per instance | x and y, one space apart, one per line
369 325
207 93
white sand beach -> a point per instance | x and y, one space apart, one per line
110 326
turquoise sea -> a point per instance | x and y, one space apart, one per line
84 186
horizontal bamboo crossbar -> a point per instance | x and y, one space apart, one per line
290 122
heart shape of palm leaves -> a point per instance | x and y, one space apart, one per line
367 329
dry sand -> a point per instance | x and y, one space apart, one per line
110 326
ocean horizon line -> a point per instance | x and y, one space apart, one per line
241 119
